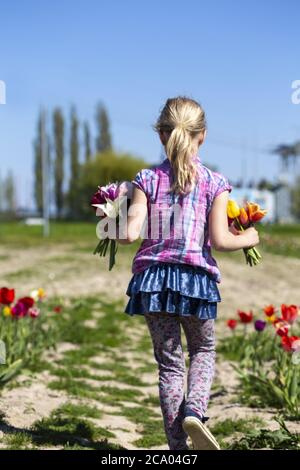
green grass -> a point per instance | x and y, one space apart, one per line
75 388
120 372
280 229
281 439
228 427
120 394
18 441
150 426
21 274
83 234
78 410
65 427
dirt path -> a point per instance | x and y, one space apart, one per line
65 272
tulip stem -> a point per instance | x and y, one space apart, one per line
252 255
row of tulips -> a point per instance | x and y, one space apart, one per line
282 323
268 353
24 331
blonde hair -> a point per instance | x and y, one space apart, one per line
183 118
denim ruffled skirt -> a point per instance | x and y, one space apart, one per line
179 289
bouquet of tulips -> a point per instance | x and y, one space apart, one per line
110 202
242 218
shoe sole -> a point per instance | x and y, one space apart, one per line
202 438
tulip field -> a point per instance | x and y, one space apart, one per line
77 373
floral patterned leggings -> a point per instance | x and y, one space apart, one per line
165 332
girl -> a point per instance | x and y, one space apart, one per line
175 277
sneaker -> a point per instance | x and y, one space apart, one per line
201 437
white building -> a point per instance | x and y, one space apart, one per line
277 203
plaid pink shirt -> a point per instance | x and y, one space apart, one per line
191 245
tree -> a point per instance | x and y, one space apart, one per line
105 168
295 196
10 193
265 184
87 141
288 152
103 140
38 174
75 167
58 127
1 193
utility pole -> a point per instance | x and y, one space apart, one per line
45 175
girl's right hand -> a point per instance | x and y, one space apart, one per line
251 237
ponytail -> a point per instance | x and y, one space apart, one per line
183 118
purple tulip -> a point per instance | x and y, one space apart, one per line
19 310
125 189
260 325
110 191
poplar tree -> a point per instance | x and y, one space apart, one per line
87 141
38 177
103 140
74 173
59 128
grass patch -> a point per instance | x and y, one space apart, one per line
281 439
121 373
21 274
151 424
74 387
18 441
116 394
151 400
144 344
228 426
70 431
78 410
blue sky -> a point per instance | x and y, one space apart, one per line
237 58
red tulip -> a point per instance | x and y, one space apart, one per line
27 302
232 323
245 317
34 312
6 296
229 220
57 309
282 327
289 313
290 343
270 310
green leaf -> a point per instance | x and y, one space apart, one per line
2 352
10 371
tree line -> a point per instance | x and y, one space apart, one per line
78 163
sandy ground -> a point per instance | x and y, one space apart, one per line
60 272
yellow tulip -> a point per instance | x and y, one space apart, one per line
41 293
233 209
271 319
7 311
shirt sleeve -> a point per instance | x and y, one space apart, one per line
222 184
142 180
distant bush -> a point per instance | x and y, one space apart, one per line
106 167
